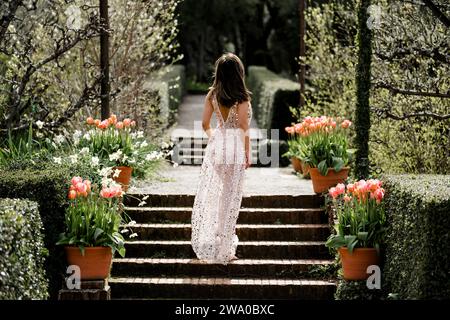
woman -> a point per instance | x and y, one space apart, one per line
219 192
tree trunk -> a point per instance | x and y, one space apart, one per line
104 59
362 113
302 69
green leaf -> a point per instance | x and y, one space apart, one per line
338 163
122 252
97 232
362 236
323 168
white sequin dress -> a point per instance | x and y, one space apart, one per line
219 191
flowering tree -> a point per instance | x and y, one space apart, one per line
49 58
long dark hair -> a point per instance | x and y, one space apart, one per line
229 85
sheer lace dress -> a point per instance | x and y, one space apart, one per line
219 191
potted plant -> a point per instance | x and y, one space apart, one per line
360 226
298 146
92 222
326 151
293 152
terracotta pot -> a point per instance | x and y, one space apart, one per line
305 170
95 264
323 183
297 164
124 177
355 264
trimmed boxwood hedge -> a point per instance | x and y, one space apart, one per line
418 237
48 187
22 252
170 83
271 99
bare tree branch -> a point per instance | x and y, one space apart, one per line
6 19
395 91
420 114
401 53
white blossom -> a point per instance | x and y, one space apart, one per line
57 160
59 139
115 156
144 144
40 124
116 173
85 150
95 161
73 158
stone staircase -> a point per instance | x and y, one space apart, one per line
189 148
281 240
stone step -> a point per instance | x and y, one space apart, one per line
186 152
221 288
283 268
248 201
246 215
245 232
245 249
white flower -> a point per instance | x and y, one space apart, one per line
152 156
40 124
124 157
134 235
57 160
59 139
77 134
116 173
85 150
105 172
131 223
175 164
144 144
124 231
95 161
164 145
140 134
115 156
142 203
87 136
145 198
73 158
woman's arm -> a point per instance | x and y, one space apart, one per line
207 113
243 125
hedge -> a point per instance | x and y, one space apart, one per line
22 252
170 83
418 237
48 187
272 97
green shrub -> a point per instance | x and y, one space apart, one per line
170 85
272 97
47 186
418 236
22 251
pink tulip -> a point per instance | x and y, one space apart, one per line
340 188
72 194
347 198
119 125
90 120
379 194
346 123
112 119
97 122
334 193
126 122
76 180
81 187
350 187
133 124
289 130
